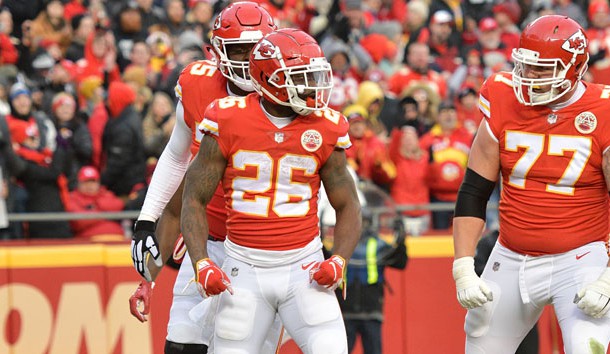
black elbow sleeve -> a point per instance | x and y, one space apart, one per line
473 195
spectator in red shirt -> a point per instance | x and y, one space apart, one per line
91 196
468 112
368 154
417 71
410 185
448 145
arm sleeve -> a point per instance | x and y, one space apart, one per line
170 169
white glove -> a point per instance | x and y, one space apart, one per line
594 299
471 290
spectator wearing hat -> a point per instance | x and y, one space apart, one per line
82 27
345 76
415 19
22 108
72 133
347 22
381 49
416 71
598 34
489 45
368 154
411 183
427 103
444 42
89 197
410 117
59 78
123 156
43 179
448 145
382 108
162 58
457 10
508 16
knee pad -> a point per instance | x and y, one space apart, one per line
235 318
328 342
179 348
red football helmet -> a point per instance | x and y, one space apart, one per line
239 23
289 68
554 43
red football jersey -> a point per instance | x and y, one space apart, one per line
199 84
272 176
554 195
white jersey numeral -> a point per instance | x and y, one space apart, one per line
558 145
290 198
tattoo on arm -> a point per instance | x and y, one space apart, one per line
202 178
334 172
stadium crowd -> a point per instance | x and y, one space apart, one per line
87 92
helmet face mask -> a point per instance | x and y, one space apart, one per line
235 31
551 59
289 69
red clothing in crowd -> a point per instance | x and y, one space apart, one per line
406 77
8 52
104 200
469 118
410 185
449 160
96 125
370 159
91 65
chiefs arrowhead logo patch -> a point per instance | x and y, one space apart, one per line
265 50
576 44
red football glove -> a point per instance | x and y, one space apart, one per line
143 294
329 273
211 280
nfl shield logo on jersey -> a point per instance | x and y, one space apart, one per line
234 271
279 137
496 266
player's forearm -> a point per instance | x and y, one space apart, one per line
167 233
467 231
194 226
193 221
347 230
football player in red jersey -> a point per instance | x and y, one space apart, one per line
235 31
547 133
271 150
